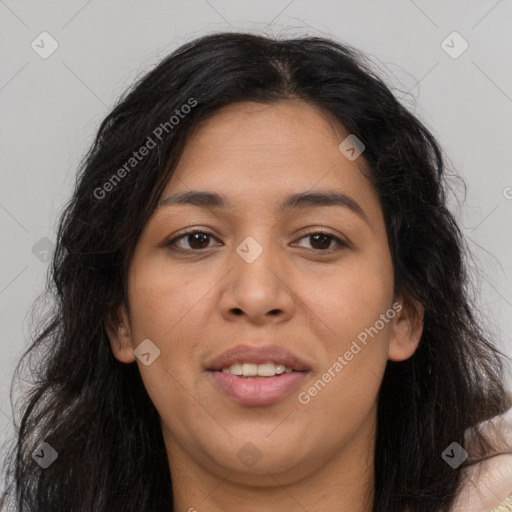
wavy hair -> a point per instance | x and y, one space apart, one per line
95 412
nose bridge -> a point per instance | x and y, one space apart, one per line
256 255
257 286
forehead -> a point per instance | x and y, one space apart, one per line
257 153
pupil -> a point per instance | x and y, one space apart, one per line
202 238
325 239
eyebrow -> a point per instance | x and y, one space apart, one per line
292 202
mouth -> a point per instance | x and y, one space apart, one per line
257 390
253 360
257 375
261 371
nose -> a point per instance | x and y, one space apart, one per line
260 284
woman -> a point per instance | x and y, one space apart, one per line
262 301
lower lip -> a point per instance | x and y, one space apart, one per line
266 391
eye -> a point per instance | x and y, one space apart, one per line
197 240
322 240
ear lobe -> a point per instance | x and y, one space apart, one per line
120 335
406 331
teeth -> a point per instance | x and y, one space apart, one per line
236 369
280 368
249 370
257 370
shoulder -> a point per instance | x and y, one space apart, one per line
488 486
504 506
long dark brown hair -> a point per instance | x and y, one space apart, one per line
95 412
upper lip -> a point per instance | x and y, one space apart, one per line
257 355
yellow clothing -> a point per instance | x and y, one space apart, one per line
504 506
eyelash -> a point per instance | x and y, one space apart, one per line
341 243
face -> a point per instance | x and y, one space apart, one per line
314 280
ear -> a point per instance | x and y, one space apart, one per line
406 330
120 335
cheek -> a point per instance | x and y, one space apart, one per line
352 296
356 342
168 308
348 305
163 298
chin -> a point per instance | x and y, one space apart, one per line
253 465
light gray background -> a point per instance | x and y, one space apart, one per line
51 108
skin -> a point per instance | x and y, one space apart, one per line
486 485
194 305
